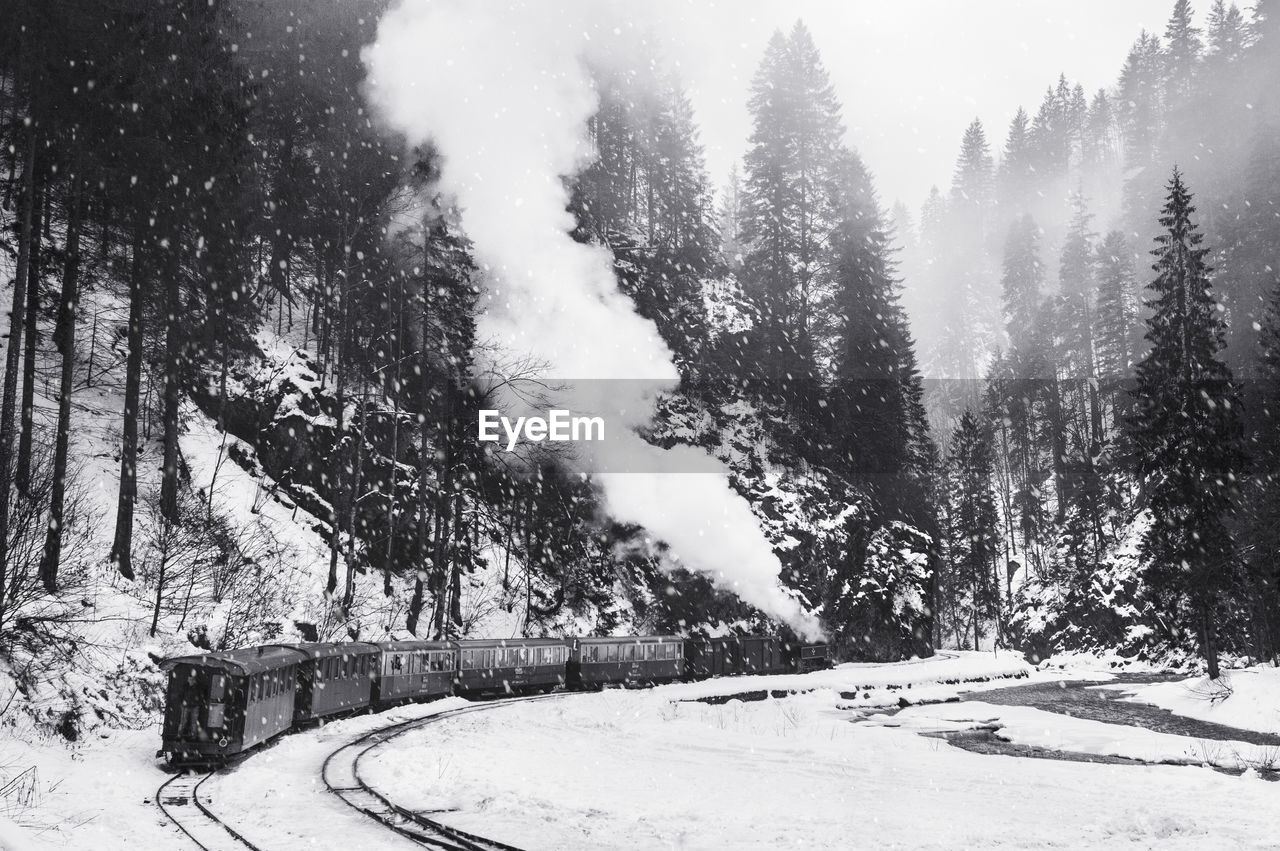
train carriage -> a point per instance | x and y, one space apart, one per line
626 661
414 670
334 678
733 655
219 704
511 665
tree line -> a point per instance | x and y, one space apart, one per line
1110 467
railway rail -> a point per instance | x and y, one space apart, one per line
179 799
341 775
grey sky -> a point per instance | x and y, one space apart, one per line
911 74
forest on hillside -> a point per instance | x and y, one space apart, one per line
1035 415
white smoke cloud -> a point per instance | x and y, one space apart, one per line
502 93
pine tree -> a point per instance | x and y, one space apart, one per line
1022 278
1182 52
1141 103
790 205
973 531
1076 283
870 396
1227 36
730 221
1118 328
973 182
1187 431
1016 179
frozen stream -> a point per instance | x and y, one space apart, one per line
1095 701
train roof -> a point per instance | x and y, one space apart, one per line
242 662
412 645
469 643
628 639
324 650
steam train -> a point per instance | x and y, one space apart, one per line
219 705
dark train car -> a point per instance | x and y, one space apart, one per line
511 665
414 670
626 660
334 678
732 655
219 704
810 657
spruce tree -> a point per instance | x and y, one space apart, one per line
1021 280
1186 431
1118 328
789 210
1182 52
973 532
1017 170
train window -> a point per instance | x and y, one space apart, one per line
217 686
396 662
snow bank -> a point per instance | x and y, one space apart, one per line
1025 725
1248 699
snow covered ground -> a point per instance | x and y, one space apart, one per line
633 770
1248 698
660 769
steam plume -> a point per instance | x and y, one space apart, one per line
502 93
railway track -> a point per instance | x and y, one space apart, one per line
179 796
341 774
179 799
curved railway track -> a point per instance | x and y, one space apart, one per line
179 799
179 796
341 774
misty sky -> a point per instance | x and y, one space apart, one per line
911 74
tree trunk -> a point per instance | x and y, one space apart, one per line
164 562
424 448
173 347
1208 645
66 339
336 472
1059 442
22 478
10 395
122 547
353 507
441 559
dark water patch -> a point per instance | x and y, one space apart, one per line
986 740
